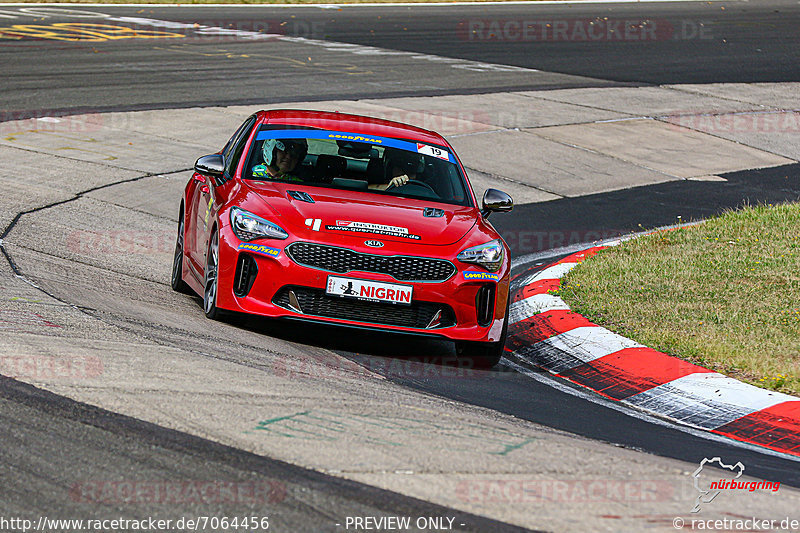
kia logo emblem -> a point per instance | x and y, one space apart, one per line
374 244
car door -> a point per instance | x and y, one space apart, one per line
205 193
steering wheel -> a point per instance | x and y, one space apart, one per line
417 183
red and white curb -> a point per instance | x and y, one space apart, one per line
544 331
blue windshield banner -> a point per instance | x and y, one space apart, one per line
420 148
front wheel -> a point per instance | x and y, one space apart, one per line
485 354
482 354
212 284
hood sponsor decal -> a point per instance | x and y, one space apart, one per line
260 249
472 275
314 223
368 227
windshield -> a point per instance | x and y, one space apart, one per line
342 160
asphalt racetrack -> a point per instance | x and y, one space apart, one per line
687 42
163 413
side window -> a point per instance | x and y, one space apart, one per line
233 150
232 140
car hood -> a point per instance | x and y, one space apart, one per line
346 215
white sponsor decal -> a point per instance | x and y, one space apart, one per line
433 151
373 291
314 223
368 227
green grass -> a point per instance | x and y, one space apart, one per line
724 294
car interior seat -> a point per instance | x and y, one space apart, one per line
329 166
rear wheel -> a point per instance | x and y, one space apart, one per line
211 285
177 283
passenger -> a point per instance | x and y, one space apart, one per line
400 166
282 158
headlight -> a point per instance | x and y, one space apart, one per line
489 255
247 226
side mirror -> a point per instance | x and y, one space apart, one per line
494 200
210 165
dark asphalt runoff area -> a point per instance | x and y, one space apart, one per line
665 43
568 221
49 441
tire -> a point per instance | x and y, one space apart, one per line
481 354
211 281
177 283
485 354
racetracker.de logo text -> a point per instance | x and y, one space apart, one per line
597 29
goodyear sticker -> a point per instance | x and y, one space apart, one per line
260 249
472 275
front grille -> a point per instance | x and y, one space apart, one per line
316 302
342 260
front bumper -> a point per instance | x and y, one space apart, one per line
280 287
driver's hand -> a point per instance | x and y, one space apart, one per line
397 181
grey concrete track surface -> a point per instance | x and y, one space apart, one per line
63 460
98 231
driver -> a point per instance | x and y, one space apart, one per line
282 158
400 166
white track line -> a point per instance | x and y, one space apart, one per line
588 343
356 49
533 305
707 399
556 271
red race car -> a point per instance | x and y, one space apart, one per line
347 220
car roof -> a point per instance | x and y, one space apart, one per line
350 123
